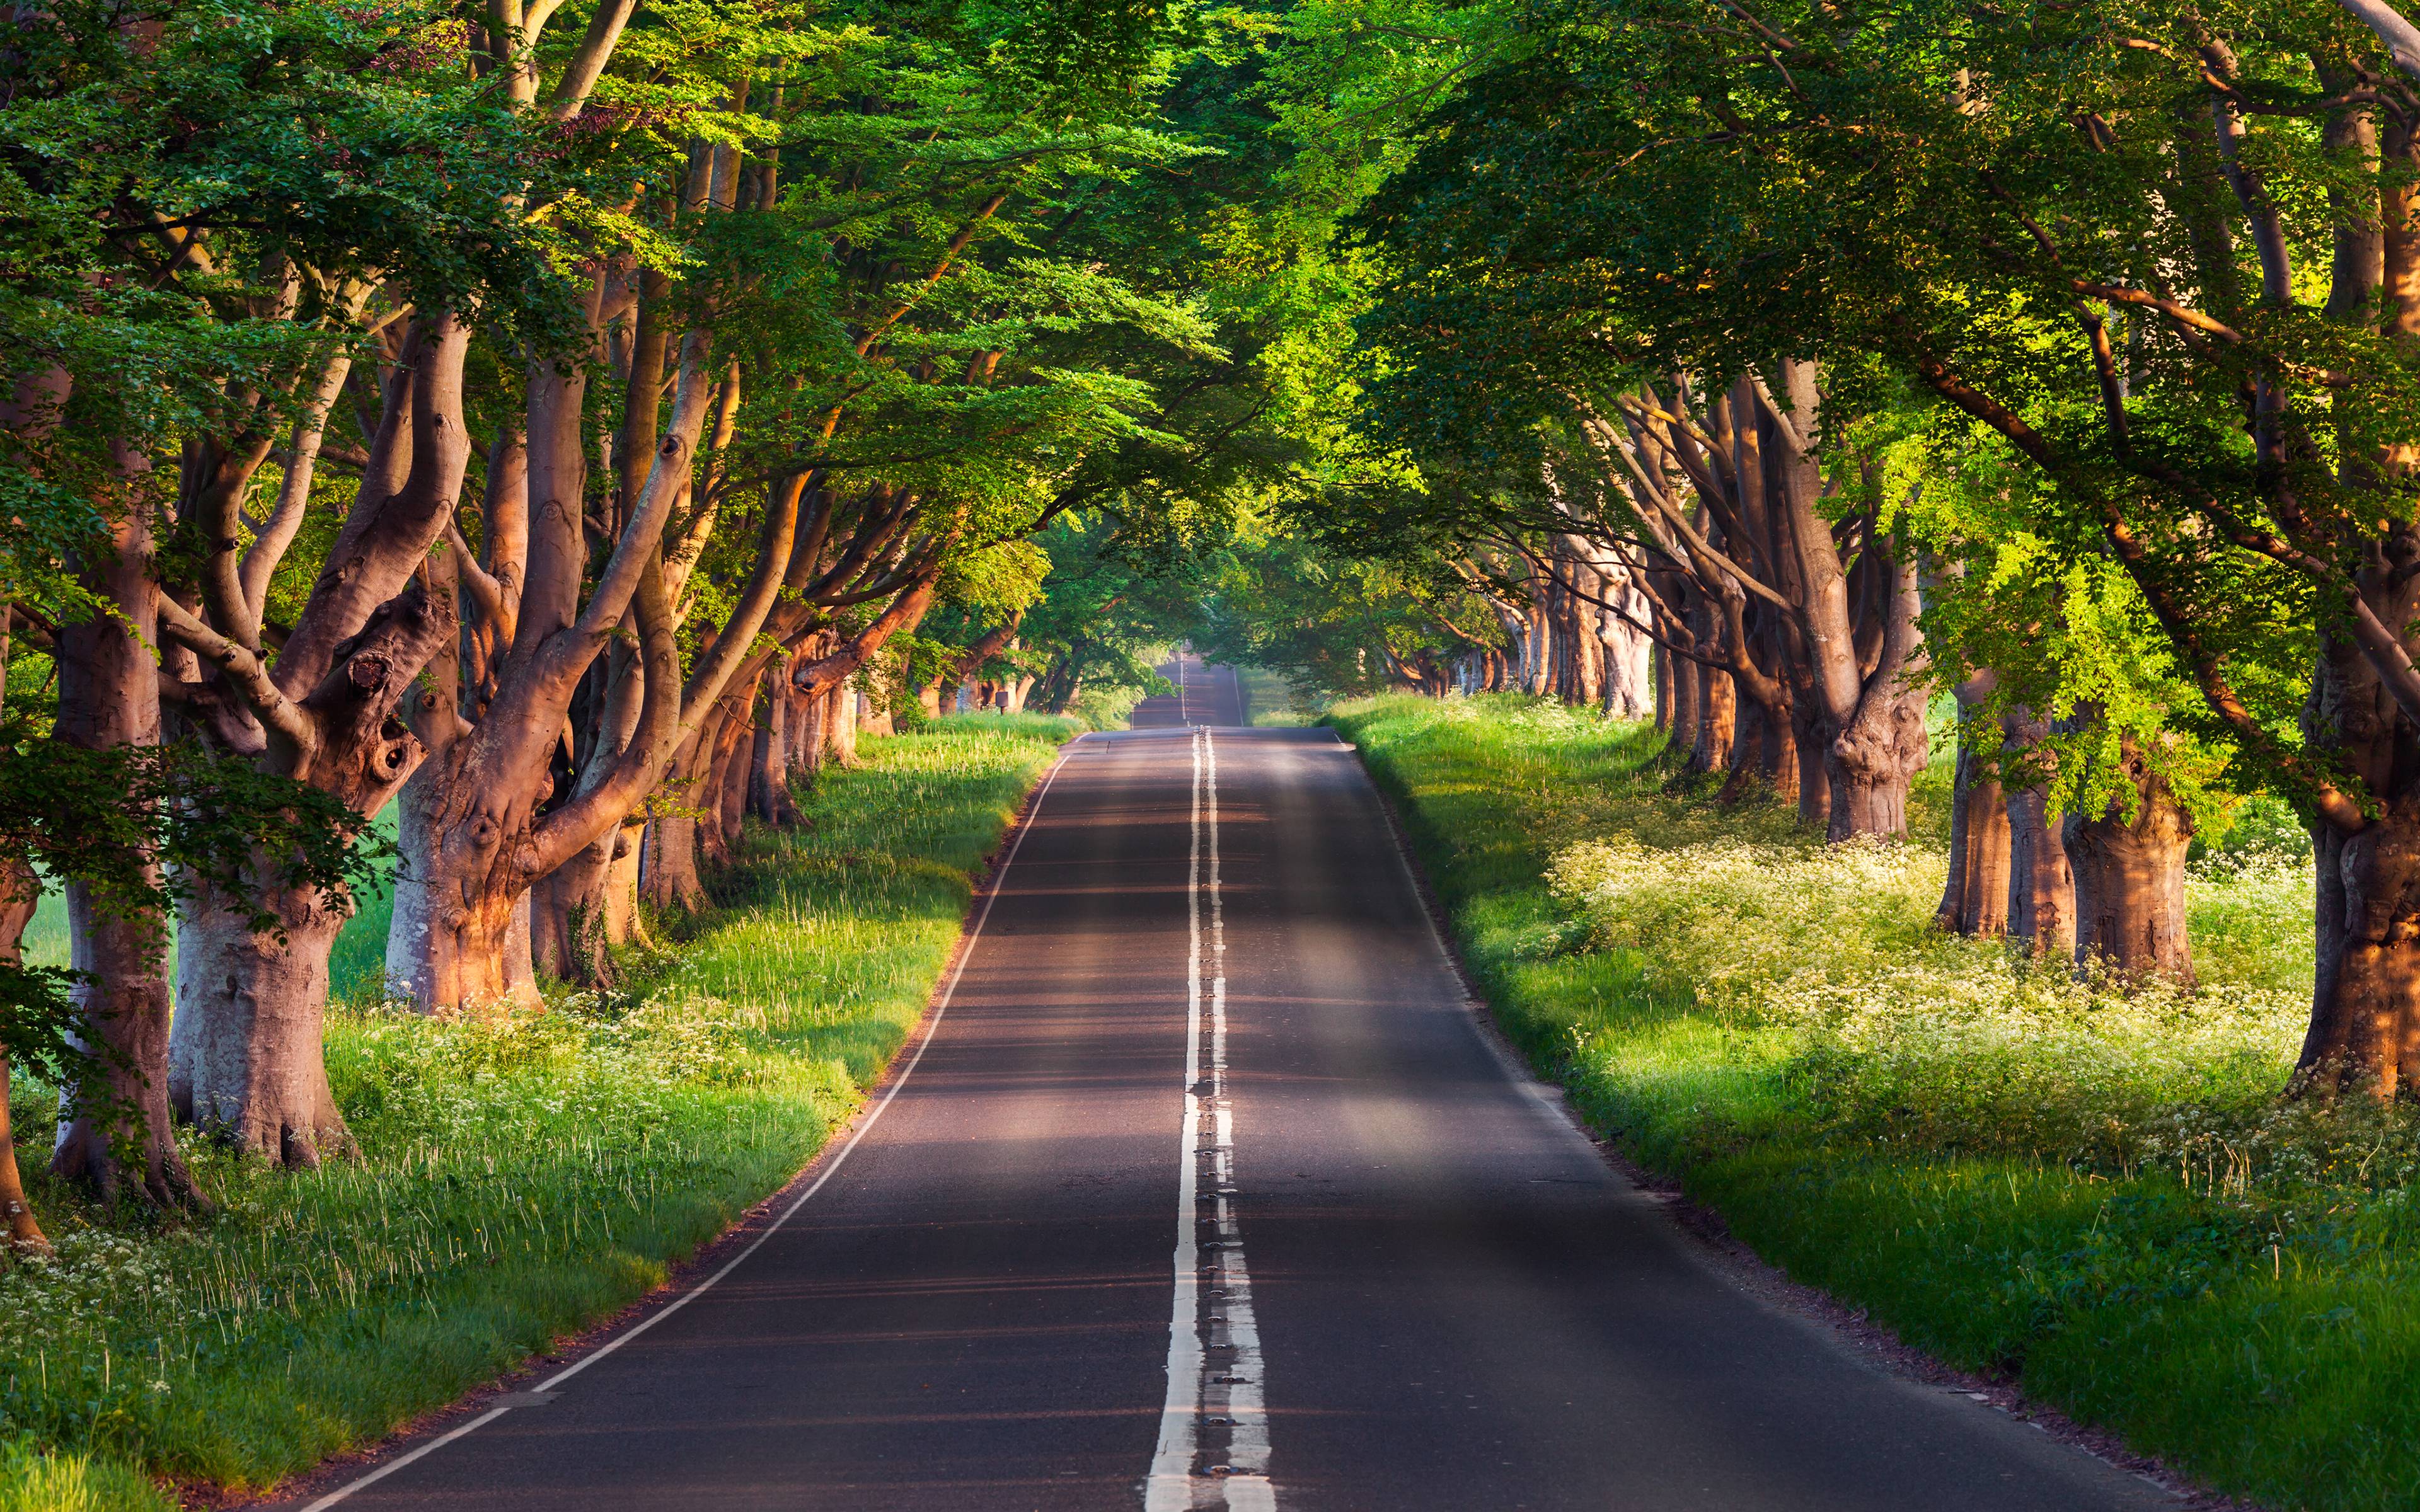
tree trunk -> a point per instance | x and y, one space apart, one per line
2130 880
840 721
1778 759
807 753
2041 885
769 778
728 741
1686 703
2365 1029
109 696
1871 764
573 910
1749 732
20 892
486 818
1857 644
731 798
763 753
247 1055
1976 900
1717 722
451 939
671 875
1631 681
126 1008
582 910
245 1060
1588 661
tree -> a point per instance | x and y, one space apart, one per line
2080 231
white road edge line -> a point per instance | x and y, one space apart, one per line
932 1027
1225 1311
1541 1095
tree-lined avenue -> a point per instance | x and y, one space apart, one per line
1459 1304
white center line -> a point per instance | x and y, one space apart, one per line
1214 1343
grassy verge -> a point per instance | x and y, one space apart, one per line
524 1173
2097 1194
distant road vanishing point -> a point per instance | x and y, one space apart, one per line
1204 1188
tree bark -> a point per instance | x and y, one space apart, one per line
769 779
448 945
1871 764
246 1054
1630 679
1750 730
1717 722
109 696
840 721
1976 900
481 832
245 1058
2041 884
1687 702
2129 879
244 1051
20 893
730 800
576 920
1779 759
670 879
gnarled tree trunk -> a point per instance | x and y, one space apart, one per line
1871 763
245 1060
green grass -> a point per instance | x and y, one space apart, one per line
523 1175
2099 1194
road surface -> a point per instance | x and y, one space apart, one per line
1207 1190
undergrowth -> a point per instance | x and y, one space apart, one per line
523 1174
2100 1193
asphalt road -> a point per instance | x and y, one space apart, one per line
1207 1190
